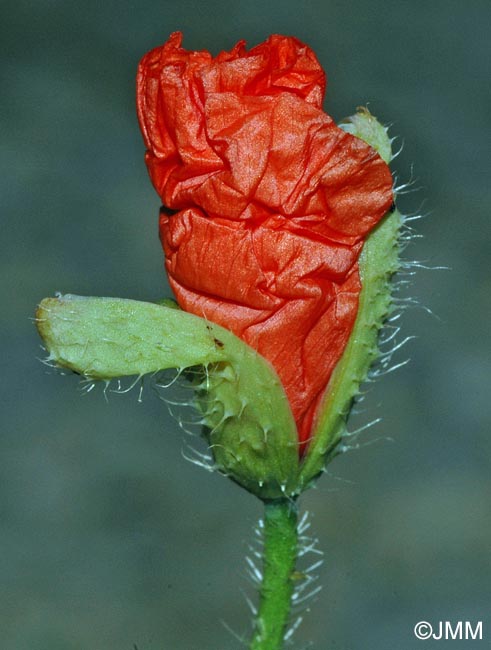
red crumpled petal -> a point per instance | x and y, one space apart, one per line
272 202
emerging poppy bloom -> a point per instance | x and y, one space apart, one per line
266 202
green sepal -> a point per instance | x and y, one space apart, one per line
378 262
248 420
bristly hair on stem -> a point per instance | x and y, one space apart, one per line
303 579
278 576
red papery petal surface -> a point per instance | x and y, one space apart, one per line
266 202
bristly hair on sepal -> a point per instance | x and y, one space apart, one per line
364 357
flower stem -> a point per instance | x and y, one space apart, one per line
280 553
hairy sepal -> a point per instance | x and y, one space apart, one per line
378 262
247 418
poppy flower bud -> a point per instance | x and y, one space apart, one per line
277 249
267 206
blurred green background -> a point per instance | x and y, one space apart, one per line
110 539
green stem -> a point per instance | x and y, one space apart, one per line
280 553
